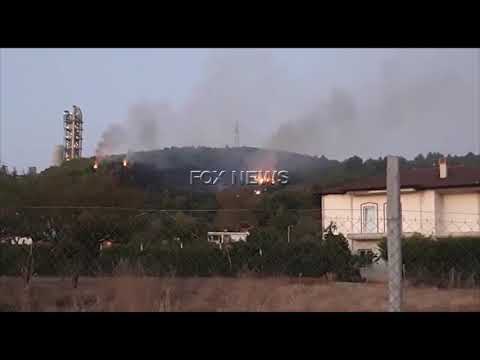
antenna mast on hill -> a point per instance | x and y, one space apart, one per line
237 134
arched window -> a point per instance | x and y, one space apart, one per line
369 214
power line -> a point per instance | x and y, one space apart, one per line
155 210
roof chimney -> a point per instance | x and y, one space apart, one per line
442 164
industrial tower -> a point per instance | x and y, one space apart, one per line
73 126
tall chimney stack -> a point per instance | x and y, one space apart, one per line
442 165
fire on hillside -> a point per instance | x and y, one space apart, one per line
96 164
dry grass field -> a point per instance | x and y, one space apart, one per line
221 294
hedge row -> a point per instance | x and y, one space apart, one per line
46 261
443 262
309 259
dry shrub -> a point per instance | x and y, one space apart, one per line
140 293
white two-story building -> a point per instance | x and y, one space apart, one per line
440 201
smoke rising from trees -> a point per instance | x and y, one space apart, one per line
141 131
415 101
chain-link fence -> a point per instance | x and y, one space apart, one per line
94 258
371 220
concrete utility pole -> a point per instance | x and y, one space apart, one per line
288 233
1 164
476 97
394 235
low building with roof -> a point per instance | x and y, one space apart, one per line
439 201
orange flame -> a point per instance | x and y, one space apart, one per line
125 162
264 180
95 166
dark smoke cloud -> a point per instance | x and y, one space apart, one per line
239 85
426 102
141 131
113 140
421 101
319 131
413 101
144 125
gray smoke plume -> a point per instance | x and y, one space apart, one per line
114 140
140 132
426 103
239 85
402 101
247 86
318 132
421 101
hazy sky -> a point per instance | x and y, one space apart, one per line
332 102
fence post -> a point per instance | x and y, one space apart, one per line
394 235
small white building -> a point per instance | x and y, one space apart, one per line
437 201
20 240
226 237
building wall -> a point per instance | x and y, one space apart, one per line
345 211
428 217
429 212
459 213
338 209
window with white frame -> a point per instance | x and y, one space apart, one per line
369 213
